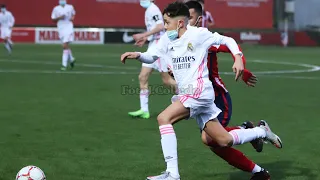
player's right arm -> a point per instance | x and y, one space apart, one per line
156 16
55 17
73 14
148 57
11 21
158 28
145 57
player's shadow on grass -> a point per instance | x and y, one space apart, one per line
279 170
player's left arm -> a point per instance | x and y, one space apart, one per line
207 39
248 77
159 27
54 15
73 14
12 21
225 49
157 17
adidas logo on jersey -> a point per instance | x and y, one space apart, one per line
168 157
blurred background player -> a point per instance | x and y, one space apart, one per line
7 23
223 101
155 29
64 15
207 19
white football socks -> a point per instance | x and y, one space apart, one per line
144 100
169 149
65 56
7 45
71 58
241 136
10 42
256 169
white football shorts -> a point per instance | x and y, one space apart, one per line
203 109
160 64
66 36
6 32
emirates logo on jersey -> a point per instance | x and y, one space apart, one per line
182 62
183 59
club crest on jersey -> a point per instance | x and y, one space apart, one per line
190 47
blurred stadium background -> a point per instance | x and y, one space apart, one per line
74 124
266 22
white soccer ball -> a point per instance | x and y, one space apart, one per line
30 173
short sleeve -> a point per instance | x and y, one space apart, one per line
54 14
73 11
156 16
11 20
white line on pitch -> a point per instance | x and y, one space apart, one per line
79 64
64 72
292 77
312 68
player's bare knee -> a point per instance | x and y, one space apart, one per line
224 141
163 119
208 141
166 82
167 79
205 142
65 46
143 78
204 139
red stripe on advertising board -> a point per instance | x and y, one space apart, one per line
249 14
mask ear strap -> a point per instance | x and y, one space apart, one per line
178 26
198 20
195 24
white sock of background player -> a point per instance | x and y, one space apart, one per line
65 57
8 47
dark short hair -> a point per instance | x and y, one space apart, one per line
176 9
196 6
201 1
3 5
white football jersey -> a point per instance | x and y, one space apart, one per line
68 11
6 19
188 57
153 16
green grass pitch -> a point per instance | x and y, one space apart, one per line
75 126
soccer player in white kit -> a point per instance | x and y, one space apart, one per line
187 48
155 29
64 15
7 23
